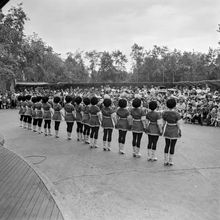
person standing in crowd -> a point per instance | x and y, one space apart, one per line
153 130
46 116
94 121
39 113
34 113
107 123
69 116
138 125
122 125
172 130
57 118
85 119
79 127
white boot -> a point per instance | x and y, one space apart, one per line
34 128
45 132
39 130
104 146
166 159
91 143
69 136
49 132
153 156
171 160
149 154
78 136
81 137
109 146
138 155
56 134
134 151
87 139
95 143
121 148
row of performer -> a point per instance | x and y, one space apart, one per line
89 114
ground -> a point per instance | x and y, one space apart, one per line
105 185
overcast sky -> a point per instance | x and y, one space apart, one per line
70 25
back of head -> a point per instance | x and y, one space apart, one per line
122 103
78 100
136 103
171 103
56 99
107 102
68 99
45 99
94 100
152 105
86 101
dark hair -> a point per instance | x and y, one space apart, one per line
28 97
34 99
78 100
23 98
39 98
122 103
86 101
56 99
136 103
171 103
68 99
94 100
45 99
152 105
19 98
107 102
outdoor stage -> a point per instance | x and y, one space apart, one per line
105 185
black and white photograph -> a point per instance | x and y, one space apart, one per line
109 110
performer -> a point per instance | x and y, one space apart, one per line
94 121
34 113
85 119
138 126
172 130
57 114
69 116
122 115
39 113
79 108
154 130
28 112
19 98
107 123
46 116
24 107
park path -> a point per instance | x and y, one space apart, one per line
105 185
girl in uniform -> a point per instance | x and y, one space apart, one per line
28 112
69 116
34 113
24 108
39 113
122 125
20 109
94 121
85 119
138 126
79 128
172 130
107 123
57 115
46 116
154 130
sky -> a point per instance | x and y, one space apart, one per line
107 25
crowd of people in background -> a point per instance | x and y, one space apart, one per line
196 105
